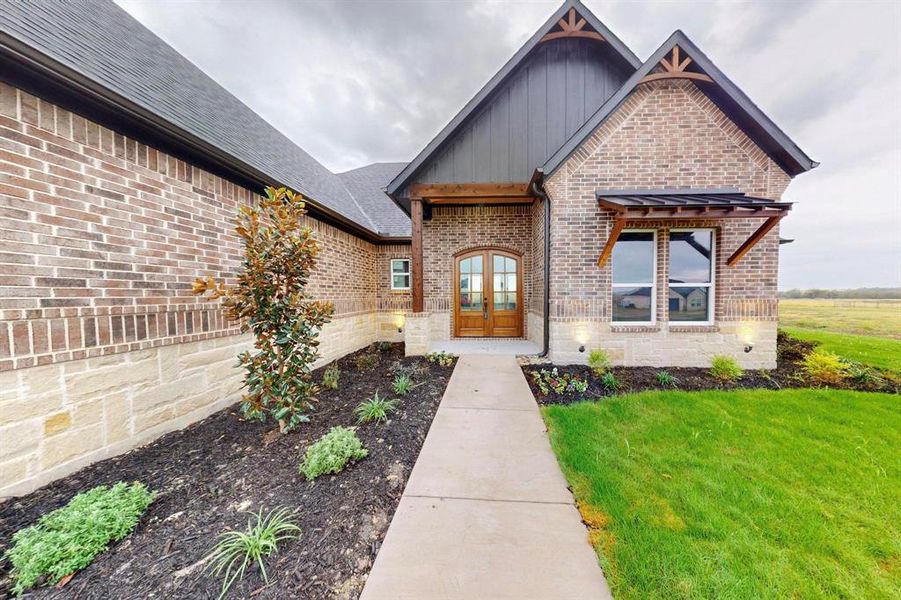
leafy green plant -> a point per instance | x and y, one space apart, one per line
825 367
384 346
665 378
442 358
599 361
270 300
66 540
366 361
374 409
237 550
610 382
332 452
725 368
330 377
402 384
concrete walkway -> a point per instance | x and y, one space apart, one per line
486 513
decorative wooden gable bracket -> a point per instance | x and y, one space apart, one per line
674 68
570 28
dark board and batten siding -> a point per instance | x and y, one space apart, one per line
544 102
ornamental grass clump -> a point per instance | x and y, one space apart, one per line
826 368
374 409
599 361
402 384
665 378
725 369
237 550
270 300
332 452
67 540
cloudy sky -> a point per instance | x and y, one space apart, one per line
360 82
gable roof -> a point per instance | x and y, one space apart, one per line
725 94
483 95
105 46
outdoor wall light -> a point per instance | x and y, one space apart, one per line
400 330
582 348
749 347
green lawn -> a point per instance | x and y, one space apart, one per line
745 494
884 353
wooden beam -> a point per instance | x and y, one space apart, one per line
557 35
416 218
430 191
752 241
618 225
676 75
484 200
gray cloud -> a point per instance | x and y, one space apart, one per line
359 82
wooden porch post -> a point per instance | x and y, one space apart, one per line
416 217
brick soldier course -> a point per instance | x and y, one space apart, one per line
120 178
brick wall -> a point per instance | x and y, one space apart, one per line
666 134
101 238
453 230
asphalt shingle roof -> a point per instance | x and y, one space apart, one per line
102 42
366 185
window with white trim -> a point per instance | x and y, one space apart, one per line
691 275
635 278
400 273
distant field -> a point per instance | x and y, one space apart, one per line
884 353
881 318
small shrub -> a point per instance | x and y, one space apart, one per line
374 409
402 384
610 382
725 368
825 367
384 346
414 370
332 452
546 381
366 361
599 361
330 377
864 376
236 550
66 540
665 379
443 359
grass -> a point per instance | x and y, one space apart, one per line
881 318
743 494
66 540
237 550
879 352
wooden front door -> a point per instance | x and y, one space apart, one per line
488 294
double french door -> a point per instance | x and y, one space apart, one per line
488 294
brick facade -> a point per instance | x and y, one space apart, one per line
666 134
101 238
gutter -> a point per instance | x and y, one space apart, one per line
538 189
84 93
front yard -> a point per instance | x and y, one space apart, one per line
207 476
738 494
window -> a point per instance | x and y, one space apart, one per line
691 263
634 277
400 273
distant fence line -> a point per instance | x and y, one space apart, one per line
850 303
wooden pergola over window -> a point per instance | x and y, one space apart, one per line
423 195
682 205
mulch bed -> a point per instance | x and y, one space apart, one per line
208 474
787 374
